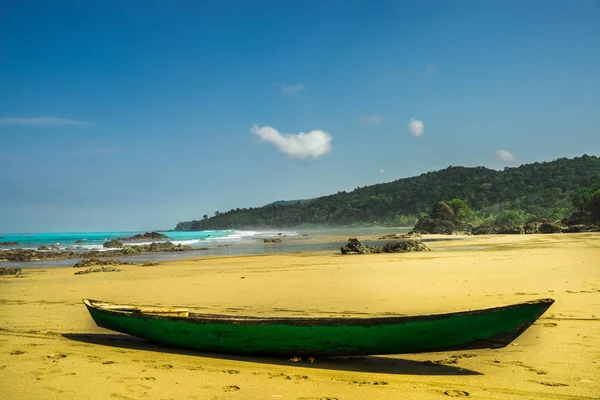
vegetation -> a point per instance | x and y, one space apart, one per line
583 198
549 190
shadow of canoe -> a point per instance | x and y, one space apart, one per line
377 364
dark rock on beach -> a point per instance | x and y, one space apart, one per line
273 240
146 236
545 227
43 248
579 228
10 271
35 255
354 246
112 244
99 269
86 262
396 236
584 221
441 221
404 246
79 241
530 228
150 264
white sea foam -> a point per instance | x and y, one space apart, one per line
235 236
186 242
98 247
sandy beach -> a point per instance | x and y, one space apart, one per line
50 347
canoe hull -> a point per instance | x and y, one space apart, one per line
488 328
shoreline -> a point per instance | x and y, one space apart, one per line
290 245
324 245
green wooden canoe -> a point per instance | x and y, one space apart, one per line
477 329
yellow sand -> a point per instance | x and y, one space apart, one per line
50 347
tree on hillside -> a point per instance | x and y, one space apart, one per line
582 199
511 217
460 208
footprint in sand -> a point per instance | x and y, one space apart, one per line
376 383
108 362
296 377
231 371
550 324
57 356
164 366
456 393
317 398
17 352
554 384
528 367
137 388
120 396
231 388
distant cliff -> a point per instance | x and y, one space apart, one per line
538 189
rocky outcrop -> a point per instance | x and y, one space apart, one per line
10 244
97 269
43 248
112 244
354 246
35 255
441 221
150 264
530 228
10 271
404 246
579 228
86 262
585 221
145 236
273 240
79 241
396 236
549 227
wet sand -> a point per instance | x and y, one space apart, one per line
50 347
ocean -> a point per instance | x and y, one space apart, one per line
84 241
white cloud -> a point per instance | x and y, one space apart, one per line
314 144
41 121
372 119
505 155
292 90
381 171
416 127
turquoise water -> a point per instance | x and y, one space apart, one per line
95 240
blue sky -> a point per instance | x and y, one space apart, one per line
140 114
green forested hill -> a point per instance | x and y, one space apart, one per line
538 189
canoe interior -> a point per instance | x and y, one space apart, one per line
329 336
